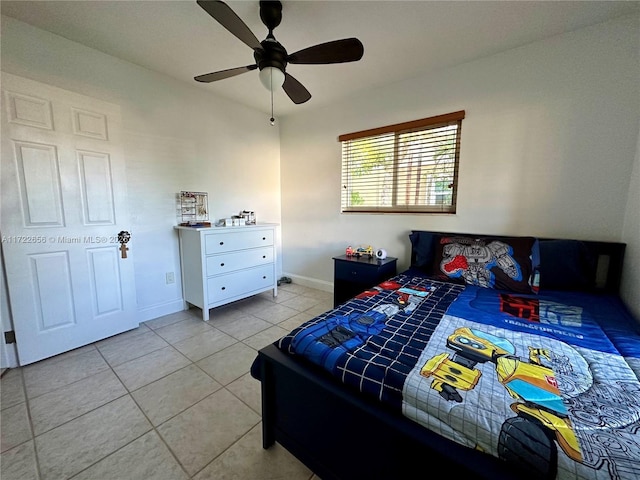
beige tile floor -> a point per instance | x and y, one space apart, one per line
170 400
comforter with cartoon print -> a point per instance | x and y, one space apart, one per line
548 382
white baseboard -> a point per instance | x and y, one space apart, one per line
9 356
156 311
311 282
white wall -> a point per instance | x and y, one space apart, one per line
631 236
548 147
175 138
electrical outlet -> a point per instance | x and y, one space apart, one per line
170 278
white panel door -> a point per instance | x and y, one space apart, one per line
63 206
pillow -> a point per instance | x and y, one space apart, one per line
503 263
423 249
567 265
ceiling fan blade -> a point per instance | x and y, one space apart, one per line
295 90
221 12
337 51
232 72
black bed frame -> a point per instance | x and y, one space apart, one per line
340 434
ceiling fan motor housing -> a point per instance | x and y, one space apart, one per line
272 54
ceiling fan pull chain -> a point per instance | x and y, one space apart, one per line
272 120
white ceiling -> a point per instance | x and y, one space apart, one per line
402 39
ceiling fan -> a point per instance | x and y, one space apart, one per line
271 58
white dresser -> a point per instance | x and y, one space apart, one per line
224 264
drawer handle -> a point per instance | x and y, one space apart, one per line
264 256
222 264
221 243
223 288
264 276
264 238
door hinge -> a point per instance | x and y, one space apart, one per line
10 336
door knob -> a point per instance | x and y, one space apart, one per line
123 238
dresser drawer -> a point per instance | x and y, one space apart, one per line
229 262
235 284
227 242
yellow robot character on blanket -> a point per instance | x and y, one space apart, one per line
541 413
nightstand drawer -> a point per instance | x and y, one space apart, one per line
356 272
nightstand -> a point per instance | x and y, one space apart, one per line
353 275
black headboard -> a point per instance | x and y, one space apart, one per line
610 257
605 258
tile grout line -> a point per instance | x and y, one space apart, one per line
228 448
31 427
153 427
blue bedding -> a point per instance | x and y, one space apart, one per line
547 381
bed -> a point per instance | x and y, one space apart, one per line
490 356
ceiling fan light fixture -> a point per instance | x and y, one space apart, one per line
272 78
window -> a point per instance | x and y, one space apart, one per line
409 167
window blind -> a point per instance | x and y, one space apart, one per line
410 167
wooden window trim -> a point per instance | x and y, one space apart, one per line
399 127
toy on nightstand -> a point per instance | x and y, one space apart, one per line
362 251
359 252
